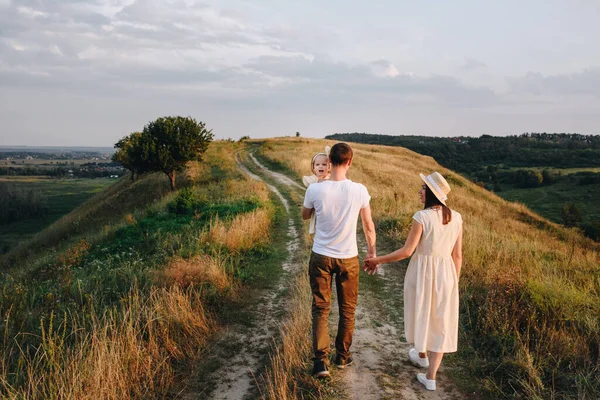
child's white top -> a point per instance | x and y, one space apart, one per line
337 205
309 180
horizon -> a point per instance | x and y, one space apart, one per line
93 72
16 146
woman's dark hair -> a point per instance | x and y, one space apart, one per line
431 201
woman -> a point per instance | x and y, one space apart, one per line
431 282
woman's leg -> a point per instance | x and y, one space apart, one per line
435 359
423 355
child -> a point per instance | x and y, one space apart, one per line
320 167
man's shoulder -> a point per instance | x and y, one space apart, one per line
357 185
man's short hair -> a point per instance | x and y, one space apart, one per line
340 154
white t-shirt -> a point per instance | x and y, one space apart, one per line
337 205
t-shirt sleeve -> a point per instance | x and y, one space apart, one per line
308 198
364 196
419 217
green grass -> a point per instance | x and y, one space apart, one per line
548 200
61 197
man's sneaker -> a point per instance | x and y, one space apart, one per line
414 357
320 369
428 383
341 363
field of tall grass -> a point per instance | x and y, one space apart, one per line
117 298
530 289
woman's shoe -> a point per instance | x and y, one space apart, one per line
428 383
414 357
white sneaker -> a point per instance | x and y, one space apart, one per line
414 357
428 383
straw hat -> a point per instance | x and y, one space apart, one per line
438 185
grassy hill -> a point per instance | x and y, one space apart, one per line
139 277
530 288
115 298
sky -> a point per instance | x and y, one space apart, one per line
88 72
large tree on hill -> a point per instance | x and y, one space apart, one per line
130 154
170 142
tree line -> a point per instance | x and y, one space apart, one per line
468 154
164 145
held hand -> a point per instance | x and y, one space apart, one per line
370 266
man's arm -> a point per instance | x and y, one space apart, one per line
307 212
308 205
369 230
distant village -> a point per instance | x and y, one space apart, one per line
59 164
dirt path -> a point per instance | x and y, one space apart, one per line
241 350
381 368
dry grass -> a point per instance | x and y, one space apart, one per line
125 354
198 270
287 367
242 232
530 288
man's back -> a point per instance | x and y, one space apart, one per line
337 205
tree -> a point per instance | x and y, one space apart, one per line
571 214
130 154
171 142
297 134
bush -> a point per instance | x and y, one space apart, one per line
184 202
571 214
592 230
528 178
549 177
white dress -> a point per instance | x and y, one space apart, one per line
431 285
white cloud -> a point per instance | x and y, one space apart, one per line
249 58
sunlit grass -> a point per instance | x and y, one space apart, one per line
530 289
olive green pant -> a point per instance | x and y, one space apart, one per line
321 270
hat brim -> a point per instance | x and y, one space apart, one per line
433 190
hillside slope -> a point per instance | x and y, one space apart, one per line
530 289
117 299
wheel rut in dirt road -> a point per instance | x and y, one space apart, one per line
240 351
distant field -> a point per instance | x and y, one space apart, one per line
61 196
48 162
549 200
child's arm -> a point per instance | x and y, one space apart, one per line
406 251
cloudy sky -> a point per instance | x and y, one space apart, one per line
87 72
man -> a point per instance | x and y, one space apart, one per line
337 203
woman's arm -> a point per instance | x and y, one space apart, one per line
457 252
406 251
